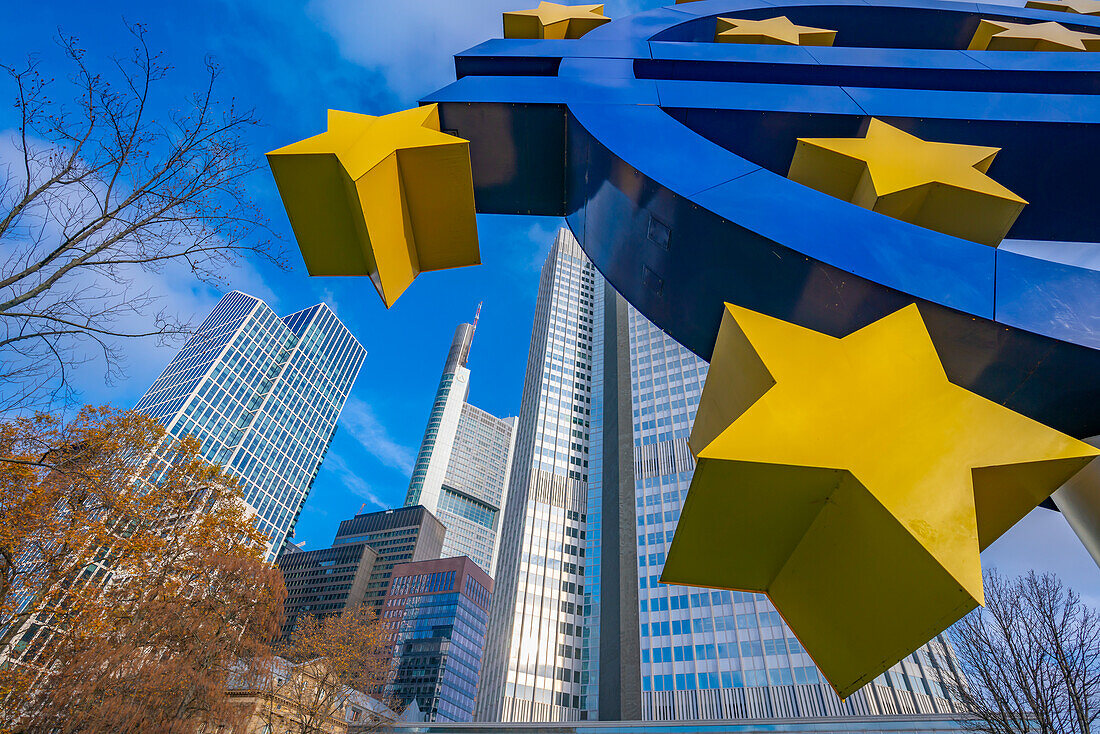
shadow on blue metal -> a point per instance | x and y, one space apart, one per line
667 155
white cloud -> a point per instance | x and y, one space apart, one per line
172 288
329 298
188 300
359 420
541 236
412 42
352 481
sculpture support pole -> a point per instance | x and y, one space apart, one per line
1079 501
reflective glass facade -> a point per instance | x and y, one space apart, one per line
920 724
724 654
534 651
262 395
436 613
463 464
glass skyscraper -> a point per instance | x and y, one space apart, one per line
462 467
580 626
262 395
533 667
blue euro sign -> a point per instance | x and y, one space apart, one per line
667 154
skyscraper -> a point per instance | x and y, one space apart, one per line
436 613
533 667
262 395
580 626
709 654
464 460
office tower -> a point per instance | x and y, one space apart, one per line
537 662
396 536
709 654
462 467
356 568
261 394
598 625
437 612
325 581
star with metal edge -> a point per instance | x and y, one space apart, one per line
776 31
854 484
1000 35
389 197
551 20
940 186
1079 7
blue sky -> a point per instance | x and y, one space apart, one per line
291 61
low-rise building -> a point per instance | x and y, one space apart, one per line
292 697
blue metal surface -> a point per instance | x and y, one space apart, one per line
645 118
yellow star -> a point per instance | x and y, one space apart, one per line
1080 7
389 197
999 35
777 31
854 484
941 186
551 20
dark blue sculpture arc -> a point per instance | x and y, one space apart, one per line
667 155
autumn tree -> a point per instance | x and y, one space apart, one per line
106 183
132 579
1029 662
328 661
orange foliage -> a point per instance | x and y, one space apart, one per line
320 670
132 579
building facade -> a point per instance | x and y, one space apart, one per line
462 467
581 628
709 654
325 581
436 613
396 536
533 658
262 395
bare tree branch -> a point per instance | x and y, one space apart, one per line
102 191
1030 661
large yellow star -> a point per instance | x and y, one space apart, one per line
1080 7
854 484
776 31
1000 35
941 186
387 197
551 20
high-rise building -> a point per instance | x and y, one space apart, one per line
356 568
533 667
325 581
262 395
436 613
709 654
396 536
580 626
462 468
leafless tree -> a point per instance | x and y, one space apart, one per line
1029 661
99 192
